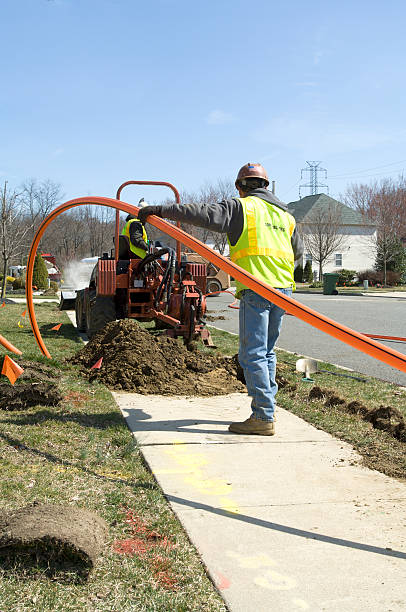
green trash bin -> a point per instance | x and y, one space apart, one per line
329 283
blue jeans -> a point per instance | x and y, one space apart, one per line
260 324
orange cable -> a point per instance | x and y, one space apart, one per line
341 332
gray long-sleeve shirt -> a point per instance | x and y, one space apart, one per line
227 217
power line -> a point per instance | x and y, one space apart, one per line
359 172
399 171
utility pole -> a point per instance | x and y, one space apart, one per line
313 184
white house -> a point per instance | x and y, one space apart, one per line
356 251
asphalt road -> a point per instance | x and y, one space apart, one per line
363 313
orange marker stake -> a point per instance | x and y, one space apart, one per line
7 345
3 305
11 369
24 313
56 327
97 365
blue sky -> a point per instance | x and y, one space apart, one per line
96 92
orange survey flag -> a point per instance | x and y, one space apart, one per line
56 327
3 305
24 313
97 365
11 369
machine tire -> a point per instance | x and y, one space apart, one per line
212 286
100 311
80 311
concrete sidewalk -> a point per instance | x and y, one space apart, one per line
290 522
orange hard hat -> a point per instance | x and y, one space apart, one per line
252 170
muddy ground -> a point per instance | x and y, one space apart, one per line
134 359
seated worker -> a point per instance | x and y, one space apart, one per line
137 236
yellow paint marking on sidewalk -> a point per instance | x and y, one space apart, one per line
268 578
253 561
274 581
301 604
192 466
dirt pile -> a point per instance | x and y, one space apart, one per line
386 418
59 541
135 359
36 385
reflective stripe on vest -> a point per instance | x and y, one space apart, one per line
264 248
126 232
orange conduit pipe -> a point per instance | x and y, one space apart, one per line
9 346
329 326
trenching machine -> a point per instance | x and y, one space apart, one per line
162 287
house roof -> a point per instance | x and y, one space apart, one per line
300 209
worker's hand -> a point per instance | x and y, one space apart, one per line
144 212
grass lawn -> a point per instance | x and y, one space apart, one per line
82 453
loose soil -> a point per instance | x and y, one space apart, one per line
136 360
48 540
386 418
36 385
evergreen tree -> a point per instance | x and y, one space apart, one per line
308 273
298 275
396 260
40 273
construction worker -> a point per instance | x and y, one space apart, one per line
264 241
136 234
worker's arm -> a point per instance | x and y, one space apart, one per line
224 217
136 236
297 246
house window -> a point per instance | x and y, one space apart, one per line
339 259
308 257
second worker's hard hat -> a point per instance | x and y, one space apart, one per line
252 170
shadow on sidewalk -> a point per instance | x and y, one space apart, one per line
289 530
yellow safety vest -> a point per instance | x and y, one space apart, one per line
264 248
126 232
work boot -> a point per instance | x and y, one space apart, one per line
253 426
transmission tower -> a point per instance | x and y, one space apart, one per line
313 185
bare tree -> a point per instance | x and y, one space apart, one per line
99 228
323 235
39 199
384 204
12 230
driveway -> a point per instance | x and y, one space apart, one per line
384 315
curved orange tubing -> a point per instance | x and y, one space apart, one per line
329 326
9 346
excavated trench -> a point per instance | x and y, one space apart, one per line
386 418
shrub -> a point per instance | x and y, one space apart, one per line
18 283
40 273
316 284
308 273
53 286
346 278
298 275
375 277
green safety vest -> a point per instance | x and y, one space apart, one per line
264 248
126 232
